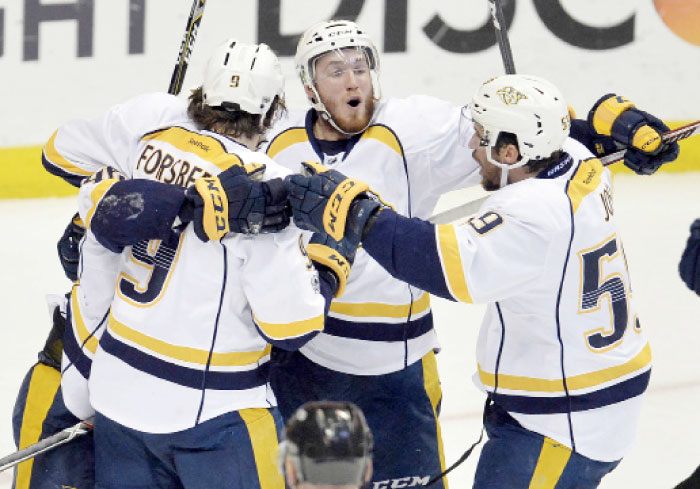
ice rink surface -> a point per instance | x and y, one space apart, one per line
654 214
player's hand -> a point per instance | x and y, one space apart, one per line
69 247
689 267
327 201
236 200
639 132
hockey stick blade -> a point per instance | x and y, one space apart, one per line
469 208
183 57
49 443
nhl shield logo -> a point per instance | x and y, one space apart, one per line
510 96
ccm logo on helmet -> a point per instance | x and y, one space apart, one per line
339 33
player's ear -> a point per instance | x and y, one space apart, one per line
509 154
310 94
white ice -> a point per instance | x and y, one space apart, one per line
654 214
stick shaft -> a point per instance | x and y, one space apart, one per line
49 443
499 24
183 57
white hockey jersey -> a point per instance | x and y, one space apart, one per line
190 327
561 346
90 300
409 155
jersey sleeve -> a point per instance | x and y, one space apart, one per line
436 138
88 308
282 288
481 260
82 146
122 212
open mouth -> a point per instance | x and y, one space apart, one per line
354 102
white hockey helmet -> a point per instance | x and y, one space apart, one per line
242 76
327 36
528 106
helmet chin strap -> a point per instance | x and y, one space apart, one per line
505 167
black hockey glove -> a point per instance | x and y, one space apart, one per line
689 267
52 353
327 201
69 247
636 131
236 200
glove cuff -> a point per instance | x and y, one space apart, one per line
605 112
333 260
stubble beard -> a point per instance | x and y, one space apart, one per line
356 124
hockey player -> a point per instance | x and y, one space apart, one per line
689 266
561 352
179 379
327 445
39 410
377 347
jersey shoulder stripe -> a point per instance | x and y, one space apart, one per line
286 139
585 180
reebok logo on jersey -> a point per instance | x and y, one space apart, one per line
199 144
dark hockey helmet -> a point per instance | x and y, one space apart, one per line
328 443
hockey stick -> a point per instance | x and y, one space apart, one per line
49 443
469 208
499 24
85 427
183 57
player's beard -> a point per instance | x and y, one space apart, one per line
491 184
490 176
358 121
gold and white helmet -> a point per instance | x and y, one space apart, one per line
528 106
244 77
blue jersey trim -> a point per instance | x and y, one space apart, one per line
379 331
185 376
572 403
75 355
70 178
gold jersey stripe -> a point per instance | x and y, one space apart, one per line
550 465
377 309
452 262
585 181
81 329
206 147
383 135
582 381
57 159
291 330
431 382
186 353
42 390
263 438
286 139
